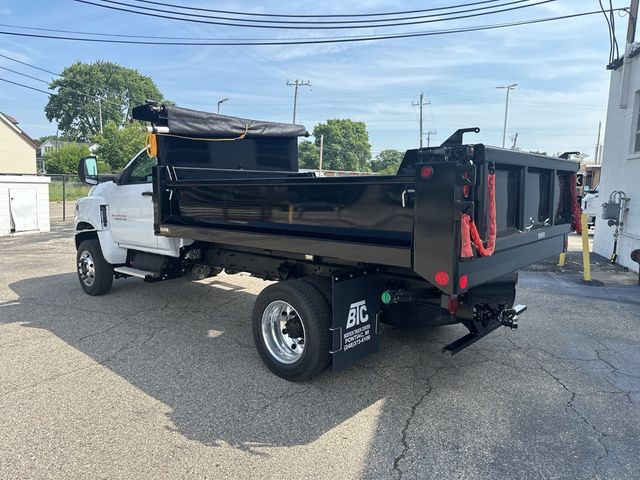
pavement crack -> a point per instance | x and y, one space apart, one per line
102 332
600 436
407 424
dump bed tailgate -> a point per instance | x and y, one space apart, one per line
534 198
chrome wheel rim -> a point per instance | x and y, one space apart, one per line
86 268
283 332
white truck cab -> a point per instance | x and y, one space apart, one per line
115 222
591 206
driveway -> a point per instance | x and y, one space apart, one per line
163 381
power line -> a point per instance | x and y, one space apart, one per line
24 75
328 40
306 27
29 65
316 15
368 22
26 86
95 97
77 32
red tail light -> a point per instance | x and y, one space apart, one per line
426 172
454 303
463 281
442 278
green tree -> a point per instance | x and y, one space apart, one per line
116 146
65 158
387 162
308 155
346 145
75 106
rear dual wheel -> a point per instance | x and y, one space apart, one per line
291 324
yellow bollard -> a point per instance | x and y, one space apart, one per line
586 261
561 260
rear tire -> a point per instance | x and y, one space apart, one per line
94 272
323 285
291 322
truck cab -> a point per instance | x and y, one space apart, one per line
118 215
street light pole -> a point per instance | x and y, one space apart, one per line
506 111
220 102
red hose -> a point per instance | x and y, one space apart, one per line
469 232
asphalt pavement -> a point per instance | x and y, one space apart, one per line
162 381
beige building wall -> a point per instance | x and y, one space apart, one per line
17 154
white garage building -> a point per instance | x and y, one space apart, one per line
24 196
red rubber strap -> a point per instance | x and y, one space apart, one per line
469 232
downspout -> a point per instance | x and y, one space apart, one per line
626 66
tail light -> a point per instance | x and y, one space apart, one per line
426 172
454 303
442 278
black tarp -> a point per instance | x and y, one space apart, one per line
187 122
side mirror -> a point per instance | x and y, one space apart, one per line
88 170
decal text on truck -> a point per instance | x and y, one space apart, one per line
357 314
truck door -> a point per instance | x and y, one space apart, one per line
131 206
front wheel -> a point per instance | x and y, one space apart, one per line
94 272
291 322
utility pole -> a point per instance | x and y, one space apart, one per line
421 103
506 111
429 133
596 160
321 149
515 141
296 84
100 112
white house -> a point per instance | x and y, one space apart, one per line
621 159
17 149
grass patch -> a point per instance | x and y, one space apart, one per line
73 191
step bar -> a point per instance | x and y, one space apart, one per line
134 272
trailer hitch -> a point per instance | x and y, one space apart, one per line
506 316
486 319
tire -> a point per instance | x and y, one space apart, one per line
323 285
215 271
307 313
94 272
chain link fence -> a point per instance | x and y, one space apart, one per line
64 190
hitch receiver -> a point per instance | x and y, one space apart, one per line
486 319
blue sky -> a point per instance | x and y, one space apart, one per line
559 66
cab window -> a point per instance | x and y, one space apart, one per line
140 169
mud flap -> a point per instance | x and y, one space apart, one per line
356 313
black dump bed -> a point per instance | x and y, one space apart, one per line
235 183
